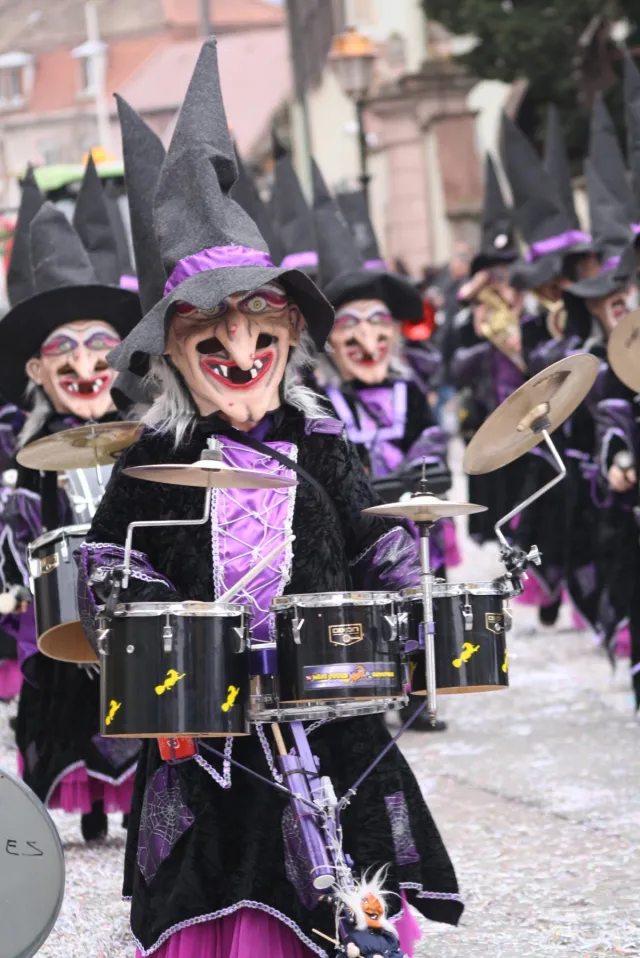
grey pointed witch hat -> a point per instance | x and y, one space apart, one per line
144 155
245 192
606 158
92 224
119 231
19 274
65 288
209 247
292 213
497 241
556 163
343 274
353 206
539 213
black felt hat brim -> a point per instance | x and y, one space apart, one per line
486 260
27 325
597 286
525 275
397 293
208 288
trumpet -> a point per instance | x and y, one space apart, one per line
556 316
499 322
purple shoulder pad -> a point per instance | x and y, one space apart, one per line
325 426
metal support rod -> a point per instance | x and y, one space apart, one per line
206 29
362 147
426 581
155 524
562 471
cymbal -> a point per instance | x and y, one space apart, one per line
424 508
208 473
623 350
555 393
96 444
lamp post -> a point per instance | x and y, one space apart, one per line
352 58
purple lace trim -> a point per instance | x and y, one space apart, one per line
223 913
403 841
164 820
117 751
391 563
438 895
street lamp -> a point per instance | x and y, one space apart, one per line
352 57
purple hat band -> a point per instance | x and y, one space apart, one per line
610 264
375 264
217 257
556 243
635 228
129 282
298 260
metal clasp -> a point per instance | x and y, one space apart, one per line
508 615
392 622
167 636
467 615
102 641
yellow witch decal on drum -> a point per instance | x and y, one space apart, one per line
232 694
170 681
113 708
467 651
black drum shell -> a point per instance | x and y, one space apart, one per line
487 665
55 591
370 634
208 654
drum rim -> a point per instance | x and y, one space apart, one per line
447 590
40 807
47 537
283 602
155 609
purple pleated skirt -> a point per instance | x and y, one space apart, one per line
10 679
252 933
77 791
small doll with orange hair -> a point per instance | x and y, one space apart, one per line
371 934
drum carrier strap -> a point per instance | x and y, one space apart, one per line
262 447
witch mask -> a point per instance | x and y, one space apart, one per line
233 356
361 341
610 310
72 368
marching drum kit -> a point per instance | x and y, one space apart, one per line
180 671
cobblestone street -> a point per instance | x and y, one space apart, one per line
537 792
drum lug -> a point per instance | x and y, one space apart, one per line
508 616
467 615
167 637
296 625
403 625
102 641
35 569
241 633
392 622
64 550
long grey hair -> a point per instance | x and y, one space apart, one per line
38 402
173 413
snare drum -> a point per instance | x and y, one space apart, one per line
339 646
54 585
471 622
174 669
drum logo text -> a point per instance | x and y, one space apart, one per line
170 681
467 651
113 708
346 634
362 675
232 694
494 622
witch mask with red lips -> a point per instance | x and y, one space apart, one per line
361 341
72 368
233 356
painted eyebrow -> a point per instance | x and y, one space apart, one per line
374 311
274 290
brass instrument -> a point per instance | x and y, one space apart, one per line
556 316
499 321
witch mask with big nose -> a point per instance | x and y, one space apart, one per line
72 368
233 356
361 341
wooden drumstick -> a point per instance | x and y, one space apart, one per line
277 734
321 934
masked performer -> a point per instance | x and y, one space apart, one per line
53 348
225 339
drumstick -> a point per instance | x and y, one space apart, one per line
321 934
252 573
277 734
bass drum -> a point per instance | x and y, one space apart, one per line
471 625
54 585
174 669
32 871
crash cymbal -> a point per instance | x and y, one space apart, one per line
208 473
624 350
94 445
424 508
543 402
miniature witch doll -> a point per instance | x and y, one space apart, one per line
370 933
205 866
53 349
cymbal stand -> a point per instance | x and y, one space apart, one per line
428 622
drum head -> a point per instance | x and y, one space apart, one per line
67 643
31 870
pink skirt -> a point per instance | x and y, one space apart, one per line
452 554
534 593
77 791
250 932
10 679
